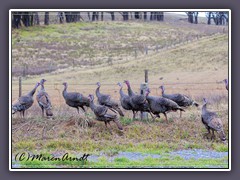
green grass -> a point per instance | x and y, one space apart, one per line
163 162
160 162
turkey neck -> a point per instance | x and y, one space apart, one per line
121 92
42 87
162 92
64 91
98 91
204 108
92 105
31 93
130 91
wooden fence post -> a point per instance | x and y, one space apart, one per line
146 75
20 86
143 89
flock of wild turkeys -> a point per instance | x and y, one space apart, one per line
154 105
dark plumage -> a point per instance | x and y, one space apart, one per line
181 99
138 102
75 99
24 102
124 99
212 122
161 105
104 99
226 83
101 114
43 100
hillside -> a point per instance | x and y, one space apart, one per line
198 53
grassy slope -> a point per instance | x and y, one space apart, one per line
205 60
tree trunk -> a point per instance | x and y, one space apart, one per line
93 16
136 15
145 16
36 19
46 18
190 17
209 18
89 16
16 19
153 16
26 19
196 17
112 16
61 18
160 16
31 19
125 16
101 16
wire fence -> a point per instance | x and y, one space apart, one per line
215 91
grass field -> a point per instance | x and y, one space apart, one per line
190 59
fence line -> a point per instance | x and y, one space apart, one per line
109 84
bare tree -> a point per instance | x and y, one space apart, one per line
16 22
219 18
145 16
137 15
195 14
153 16
112 16
46 18
209 17
101 16
36 19
160 16
192 17
95 16
26 19
125 16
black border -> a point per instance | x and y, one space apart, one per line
4 90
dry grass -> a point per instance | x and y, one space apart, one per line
62 132
93 44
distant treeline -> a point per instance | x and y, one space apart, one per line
32 18
219 18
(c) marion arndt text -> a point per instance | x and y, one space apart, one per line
40 157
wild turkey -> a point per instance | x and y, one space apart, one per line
138 102
101 114
75 99
181 99
104 99
124 98
161 105
24 102
212 122
43 100
226 83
